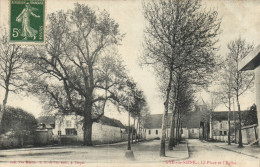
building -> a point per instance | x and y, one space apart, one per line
69 129
195 124
153 126
44 131
220 126
46 121
252 62
192 126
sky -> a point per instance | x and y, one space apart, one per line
239 18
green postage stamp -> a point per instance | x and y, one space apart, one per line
27 21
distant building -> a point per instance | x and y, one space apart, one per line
46 121
192 125
220 126
44 131
69 129
153 126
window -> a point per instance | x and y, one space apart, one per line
59 132
192 130
156 132
68 123
71 132
225 132
220 132
220 125
149 132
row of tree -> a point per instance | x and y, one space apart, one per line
77 70
231 82
180 38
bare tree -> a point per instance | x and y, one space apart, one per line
136 107
212 105
79 68
226 91
12 72
242 80
179 34
181 99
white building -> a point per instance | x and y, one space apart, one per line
153 127
192 127
69 129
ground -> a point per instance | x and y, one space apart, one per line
209 154
198 153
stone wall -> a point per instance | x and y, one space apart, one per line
248 134
43 137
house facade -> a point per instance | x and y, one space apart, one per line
191 127
220 130
69 130
220 127
152 126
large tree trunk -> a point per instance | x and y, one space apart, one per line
210 125
88 133
165 114
137 131
133 132
88 127
179 137
172 130
177 128
234 116
3 108
181 131
235 128
171 139
240 144
229 110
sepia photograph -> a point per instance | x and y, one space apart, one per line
129 83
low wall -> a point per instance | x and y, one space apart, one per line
43 137
224 138
103 134
249 134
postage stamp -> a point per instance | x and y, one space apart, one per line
27 21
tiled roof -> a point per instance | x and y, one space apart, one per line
111 122
155 121
47 120
190 120
223 115
103 120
